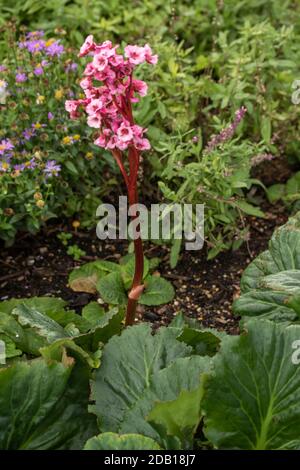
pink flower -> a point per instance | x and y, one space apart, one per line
142 144
150 58
86 83
94 120
100 62
124 133
135 54
140 87
109 106
100 141
95 106
87 46
89 70
71 105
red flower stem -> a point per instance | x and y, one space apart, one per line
137 286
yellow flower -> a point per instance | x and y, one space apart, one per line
38 155
67 140
37 196
49 42
89 156
5 166
40 203
37 125
76 137
40 99
75 224
59 94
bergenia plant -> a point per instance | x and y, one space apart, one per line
109 109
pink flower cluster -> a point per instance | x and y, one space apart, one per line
109 105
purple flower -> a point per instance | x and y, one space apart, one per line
50 116
227 133
31 165
21 77
35 46
19 167
3 68
55 49
28 133
35 34
5 145
38 71
44 63
51 168
71 67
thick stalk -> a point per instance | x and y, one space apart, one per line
137 284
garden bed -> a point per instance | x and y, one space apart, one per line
39 265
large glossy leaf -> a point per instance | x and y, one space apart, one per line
267 304
52 307
283 254
251 401
284 281
128 363
44 325
137 371
44 406
113 441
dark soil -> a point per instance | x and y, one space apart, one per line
37 266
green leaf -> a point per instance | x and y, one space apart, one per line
56 350
45 326
266 129
283 254
71 167
93 313
275 192
248 208
134 356
179 417
10 347
108 324
113 441
204 342
175 252
111 289
251 401
284 281
266 304
158 291
44 406
47 305
85 278
137 370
